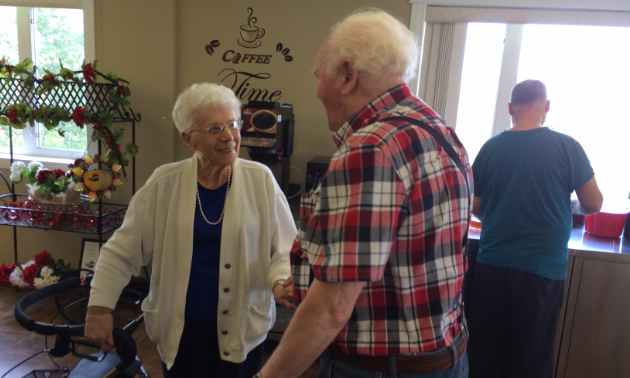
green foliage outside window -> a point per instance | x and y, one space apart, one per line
60 37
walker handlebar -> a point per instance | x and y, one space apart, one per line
123 341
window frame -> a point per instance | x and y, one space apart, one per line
31 151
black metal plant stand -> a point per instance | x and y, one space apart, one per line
93 98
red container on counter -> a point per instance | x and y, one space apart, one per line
607 225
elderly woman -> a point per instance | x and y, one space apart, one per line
218 230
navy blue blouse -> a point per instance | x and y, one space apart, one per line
202 298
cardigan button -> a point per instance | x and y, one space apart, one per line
225 312
224 332
226 290
228 266
226 354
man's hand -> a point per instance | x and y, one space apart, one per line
98 328
324 312
283 294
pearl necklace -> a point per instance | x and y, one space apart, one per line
224 203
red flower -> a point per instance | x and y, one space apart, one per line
118 145
97 127
9 69
42 175
109 141
5 272
29 274
59 173
13 116
69 174
43 259
88 73
77 163
77 116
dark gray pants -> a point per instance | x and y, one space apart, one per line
512 321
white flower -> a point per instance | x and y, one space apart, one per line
18 166
31 262
34 164
16 171
16 277
45 272
43 282
15 177
38 282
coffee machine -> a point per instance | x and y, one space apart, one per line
267 133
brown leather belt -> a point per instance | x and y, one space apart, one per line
405 365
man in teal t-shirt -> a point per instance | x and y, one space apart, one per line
524 178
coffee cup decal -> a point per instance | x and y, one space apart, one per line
250 33
263 120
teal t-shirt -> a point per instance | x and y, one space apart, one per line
525 180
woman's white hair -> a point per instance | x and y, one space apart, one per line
198 99
379 45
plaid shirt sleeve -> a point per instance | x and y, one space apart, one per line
358 212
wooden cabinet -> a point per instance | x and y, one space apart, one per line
594 332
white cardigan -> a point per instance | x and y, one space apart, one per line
256 237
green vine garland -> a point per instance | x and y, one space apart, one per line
19 115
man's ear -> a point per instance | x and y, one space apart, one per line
547 106
349 75
510 109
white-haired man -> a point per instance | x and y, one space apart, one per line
380 247
524 179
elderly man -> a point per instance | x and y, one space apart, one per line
381 237
524 178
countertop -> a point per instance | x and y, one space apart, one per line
583 241
579 241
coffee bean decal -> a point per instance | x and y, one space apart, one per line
211 46
285 52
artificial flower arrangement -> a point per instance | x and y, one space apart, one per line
64 187
19 115
45 184
40 272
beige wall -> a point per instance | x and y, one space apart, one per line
300 26
159 46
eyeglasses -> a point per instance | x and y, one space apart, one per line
217 128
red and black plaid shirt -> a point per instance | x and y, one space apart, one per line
391 211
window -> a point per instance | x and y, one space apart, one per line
46 36
586 72
480 79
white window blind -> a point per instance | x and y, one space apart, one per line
74 4
526 16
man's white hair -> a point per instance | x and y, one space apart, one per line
379 45
200 98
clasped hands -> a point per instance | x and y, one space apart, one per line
283 294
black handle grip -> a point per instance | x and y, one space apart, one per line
123 341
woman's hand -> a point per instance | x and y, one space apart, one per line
98 329
283 294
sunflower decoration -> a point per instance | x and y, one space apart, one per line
96 176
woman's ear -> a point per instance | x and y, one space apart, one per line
188 142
